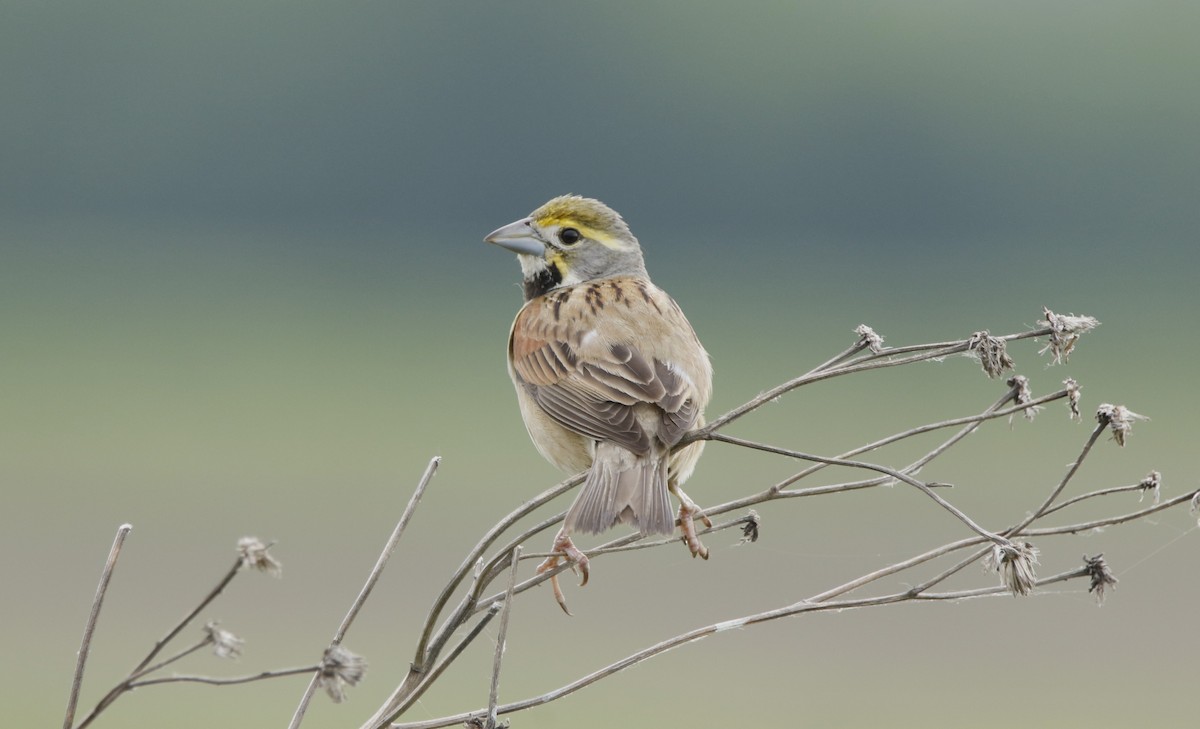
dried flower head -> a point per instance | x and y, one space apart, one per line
992 353
750 528
1119 419
340 668
255 556
1073 399
1014 561
1102 576
1024 395
224 643
1065 330
1152 483
868 338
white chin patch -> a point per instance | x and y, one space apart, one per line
531 265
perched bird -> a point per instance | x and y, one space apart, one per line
609 373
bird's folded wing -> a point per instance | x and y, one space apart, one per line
596 395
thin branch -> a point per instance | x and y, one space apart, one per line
1093 494
923 487
1020 527
704 632
164 663
280 673
212 595
372 579
501 640
971 421
1087 447
384 716
885 358
423 654
1112 520
89 628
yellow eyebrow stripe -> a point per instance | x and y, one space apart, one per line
595 234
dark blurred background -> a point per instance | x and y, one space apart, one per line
243 291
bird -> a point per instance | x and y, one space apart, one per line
609 374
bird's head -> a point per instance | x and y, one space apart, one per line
570 240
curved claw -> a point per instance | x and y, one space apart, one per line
564 549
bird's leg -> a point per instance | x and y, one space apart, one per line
688 511
567 548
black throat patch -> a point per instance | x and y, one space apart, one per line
542 282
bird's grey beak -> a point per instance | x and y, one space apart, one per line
518 237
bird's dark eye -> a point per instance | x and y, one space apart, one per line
569 236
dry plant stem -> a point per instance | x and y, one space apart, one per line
505 612
166 662
1111 520
971 422
372 578
1020 527
89 628
228 681
885 358
382 719
700 633
998 589
423 655
212 595
1087 448
1092 495
923 487
144 666
821 602
846 354
131 681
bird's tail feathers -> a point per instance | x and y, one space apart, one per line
621 487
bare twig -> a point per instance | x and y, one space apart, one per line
885 358
501 639
428 679
803 606
278 673
212 595
1087 447
372 578
89 628
919 485
424 653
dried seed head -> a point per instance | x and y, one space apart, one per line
224 643
868 338
255 556
1065 330
1102 576
1152 484
1119 419
992 352
1196 506
1073 399
1024 395
1014 561
340 668
750 528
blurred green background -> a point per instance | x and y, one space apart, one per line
243 291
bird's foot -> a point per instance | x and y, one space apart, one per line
564 548
688 512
